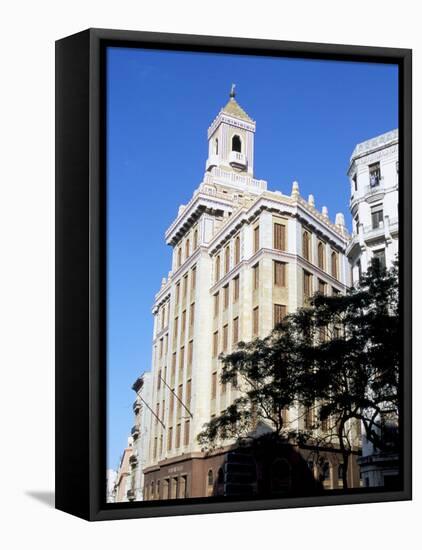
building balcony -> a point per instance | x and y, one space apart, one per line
136 407
237 160
135 431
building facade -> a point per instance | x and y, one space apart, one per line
243 258
140 435
123 479
374 181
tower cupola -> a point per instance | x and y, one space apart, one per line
231 139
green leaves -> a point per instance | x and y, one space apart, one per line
341 352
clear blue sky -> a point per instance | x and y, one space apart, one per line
309 115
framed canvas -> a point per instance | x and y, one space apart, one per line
233 276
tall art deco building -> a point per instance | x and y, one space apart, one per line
243 257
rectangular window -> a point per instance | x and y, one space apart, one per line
334 265
177 293
178 430
217 268
279 313
159 380
173 366
192 314
181 361
185 285
227 259
321 255
356 220
171 407
183 327
255 321
214 385
279 273
307 284
195 238
308 418
216 303
355 182
190 353
377 217
256 239
169 438
176 328
306 245
374 174
237 250
235 330
161 347
279 236
155 447
187 248
179 400
187 430
215 344
226 296
255 276
188 392
321 287
236 289
157 412
378 259
193 282
225 337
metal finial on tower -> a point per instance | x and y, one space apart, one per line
233 91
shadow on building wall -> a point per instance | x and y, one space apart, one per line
266 467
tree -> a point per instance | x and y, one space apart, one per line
338 356
268 373
356 359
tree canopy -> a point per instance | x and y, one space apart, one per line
338 358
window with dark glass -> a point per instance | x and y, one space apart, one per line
377 216
236 144
374 174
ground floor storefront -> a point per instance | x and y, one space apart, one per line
236 471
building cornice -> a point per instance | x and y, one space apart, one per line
369 154
282 256
232 120
292 207
199 204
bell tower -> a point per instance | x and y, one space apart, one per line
231 139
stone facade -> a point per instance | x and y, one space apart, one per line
243 257
374 180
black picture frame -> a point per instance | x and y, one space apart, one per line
81 256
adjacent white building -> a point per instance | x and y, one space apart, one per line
123 481
374 179
111 485
140 435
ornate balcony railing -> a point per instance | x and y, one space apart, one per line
238 159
